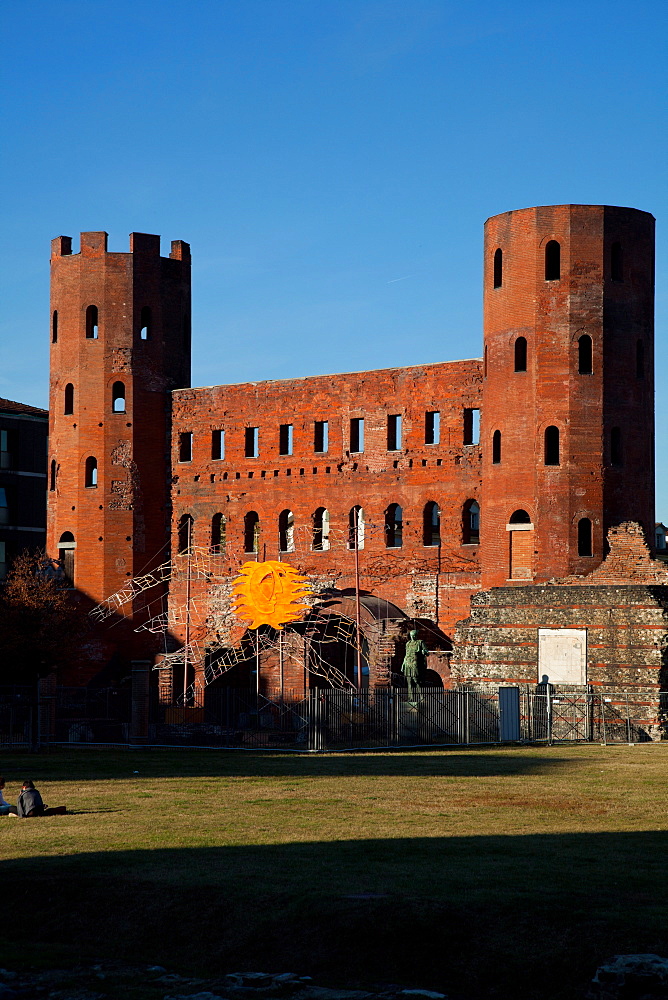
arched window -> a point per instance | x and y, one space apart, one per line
431 524
616 262
616 456
66 547
286 531
91 323
91 471
519 517
584 537
552 261
52 475
218 533
69 399
54 327
393 526
145 323
584 355
185 533
251 532
496 448
521 354
471 523
640 359
552 445
356 528
118 398
321 529
498 268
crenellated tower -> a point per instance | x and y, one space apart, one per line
120 343
568 387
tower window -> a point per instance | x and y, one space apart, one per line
432 427
584 537
52 475
471 523
285 439
552 261
357 434
321 529
218 533
185 533
286 531
356 528
91 323
217 444
251 532
321 436
616 456
118 397
252 444
584 355
394 432
431 524
54 327
471 426
521 354
552 445
186 446
498 268
616 262
69 399
394 526
145 323
640 359
520 517
66 547
91 472
496 448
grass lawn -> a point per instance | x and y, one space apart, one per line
506 872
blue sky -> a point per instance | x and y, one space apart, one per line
331 162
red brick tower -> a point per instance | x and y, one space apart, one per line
568 390
120 342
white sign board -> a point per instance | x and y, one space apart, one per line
562 655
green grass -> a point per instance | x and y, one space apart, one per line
500 872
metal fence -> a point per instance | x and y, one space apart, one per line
327 719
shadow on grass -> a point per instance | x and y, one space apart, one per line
100 765
497 916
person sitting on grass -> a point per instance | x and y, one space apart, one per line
29 803
5 808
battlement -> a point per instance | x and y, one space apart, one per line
94 244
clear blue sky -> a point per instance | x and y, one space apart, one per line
332 162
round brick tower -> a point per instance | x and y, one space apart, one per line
567 422
120 342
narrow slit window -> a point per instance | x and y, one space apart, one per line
218 527
285 439
585 359
640 359
552 445
321 436
286 531
118 397
431 524
92 325
616 262
394 432
52 476
356 528
432 427
584 537
217 444
496 448
521 354
54 327
69 399
252 442
251 532
616 456
91 472
394 518
471 523
186 446
145 324
471 426
185 533
498 268
552 261
321 530
357 434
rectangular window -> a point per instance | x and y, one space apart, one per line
432 427
186 446
357 434
3 561
217 444
252 443
7 447
285 439
321 436
394 432
471 426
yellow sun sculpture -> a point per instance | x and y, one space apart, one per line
269 593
